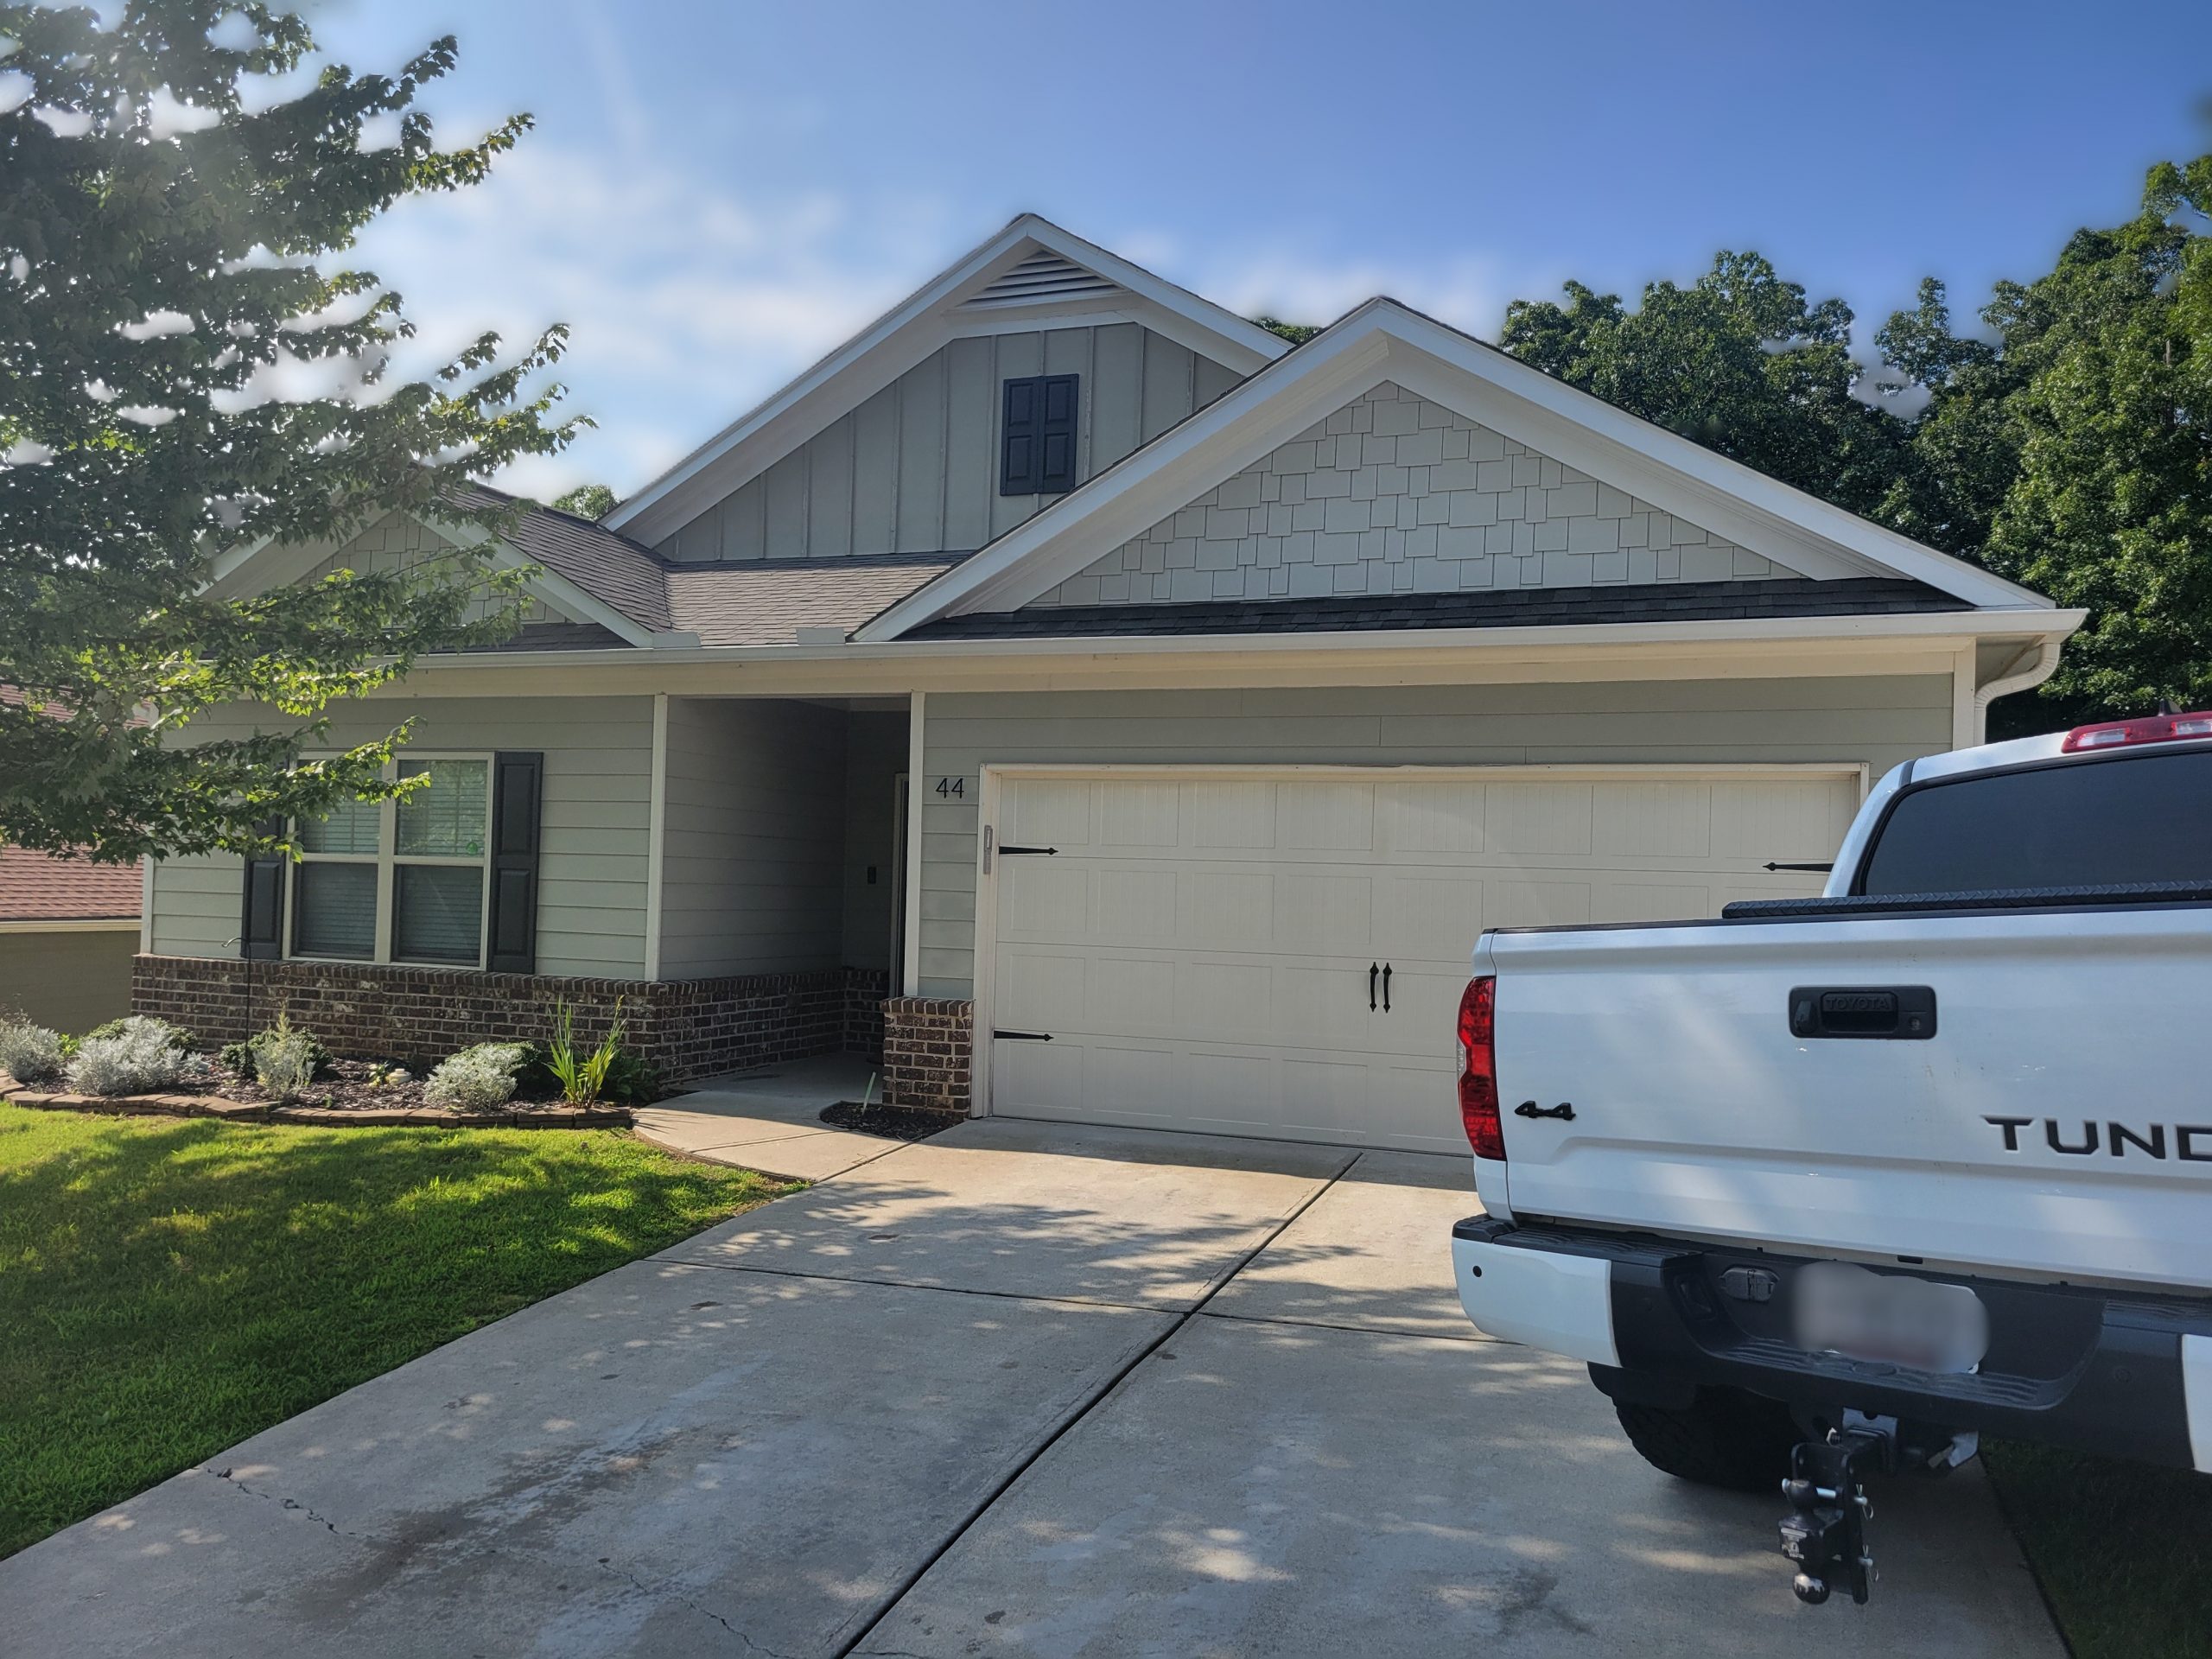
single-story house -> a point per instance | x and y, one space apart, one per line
68 930
1108 712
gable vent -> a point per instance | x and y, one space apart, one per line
1043 275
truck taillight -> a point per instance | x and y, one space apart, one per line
2123 734
1478 1068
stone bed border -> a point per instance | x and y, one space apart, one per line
240 1111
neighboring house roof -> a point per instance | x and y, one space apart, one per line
1383 340
38 886
1033 268
766 602
1525 607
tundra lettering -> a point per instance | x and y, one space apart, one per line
2192 1142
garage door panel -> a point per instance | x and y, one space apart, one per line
1137 904
1045 900
1427 915
1551 818
1232 817
1317 913
1633 901
1201 952
1673 820
1439 818
1324 818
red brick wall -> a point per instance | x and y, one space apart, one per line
689 1027
927 1044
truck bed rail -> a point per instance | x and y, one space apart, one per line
2134 893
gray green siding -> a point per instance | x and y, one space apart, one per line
592 873
753 879
1879 721
915 468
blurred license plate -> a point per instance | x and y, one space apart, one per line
1842 1309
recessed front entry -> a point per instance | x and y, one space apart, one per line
1281 953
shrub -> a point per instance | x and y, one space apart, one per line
31 1053
632 1080
138 1057
250 1059
476 1079
178 1036
284 1060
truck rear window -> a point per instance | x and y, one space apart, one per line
2134 818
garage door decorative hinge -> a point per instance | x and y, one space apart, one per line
1023 1036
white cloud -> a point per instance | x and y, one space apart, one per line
1468 291
167 116
16 90
65 123
687 302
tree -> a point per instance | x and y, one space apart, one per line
1737 361
1296 333
586 501
166 249
2074 453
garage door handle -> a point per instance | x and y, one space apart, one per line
1374 970
1386 988
1023 1036
1030 852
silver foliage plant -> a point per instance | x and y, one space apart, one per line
140 1058
476 1079
29 1053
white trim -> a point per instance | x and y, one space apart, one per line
657 833
1966 732
911 970
907 335
983 975
79 924
1383 340
146 908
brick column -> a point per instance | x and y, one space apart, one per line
928 1042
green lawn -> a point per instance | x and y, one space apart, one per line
169 1287
2123 1550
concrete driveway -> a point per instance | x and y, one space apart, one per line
1022 1389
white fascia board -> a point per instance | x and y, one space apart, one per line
73 924
906 335
1382 341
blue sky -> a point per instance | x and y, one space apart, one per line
717 192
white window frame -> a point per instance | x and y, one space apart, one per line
387 858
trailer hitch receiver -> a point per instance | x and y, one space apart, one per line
1825 1532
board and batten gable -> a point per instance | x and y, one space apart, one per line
595 825
1393 493
915 468
1877 721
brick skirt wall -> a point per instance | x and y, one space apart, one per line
927 1044
689 1027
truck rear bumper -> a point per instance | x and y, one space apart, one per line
2121 1373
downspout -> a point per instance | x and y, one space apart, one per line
2046 651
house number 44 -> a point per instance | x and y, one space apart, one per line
952 789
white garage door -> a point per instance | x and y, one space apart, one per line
1202 950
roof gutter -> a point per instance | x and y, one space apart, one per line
2053 625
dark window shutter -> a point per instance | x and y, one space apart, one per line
515 787
1056 420
1037 434
261 921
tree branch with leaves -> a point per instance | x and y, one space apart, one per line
172 247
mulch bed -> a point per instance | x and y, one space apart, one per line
887 1122
342 1095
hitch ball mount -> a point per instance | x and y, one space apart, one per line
1825 1532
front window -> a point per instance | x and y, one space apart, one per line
399 880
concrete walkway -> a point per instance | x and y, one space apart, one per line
771 1120
1018 1389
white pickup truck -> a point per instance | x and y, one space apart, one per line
1831 1187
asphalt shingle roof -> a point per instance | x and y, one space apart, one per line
40 887
766 602
1521 607
609 565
